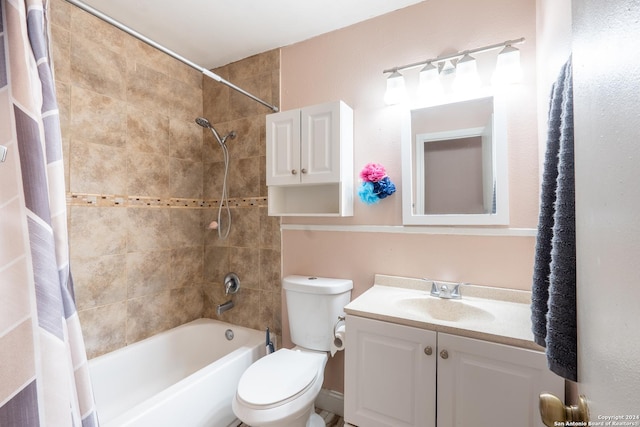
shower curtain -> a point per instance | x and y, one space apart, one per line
44 378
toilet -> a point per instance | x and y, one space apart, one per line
280 389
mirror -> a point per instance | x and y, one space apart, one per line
454 164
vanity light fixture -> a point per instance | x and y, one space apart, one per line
396 92
460 63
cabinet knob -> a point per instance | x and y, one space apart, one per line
428 350
444 354
293 171
303 170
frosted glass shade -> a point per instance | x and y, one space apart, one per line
396 92
508 69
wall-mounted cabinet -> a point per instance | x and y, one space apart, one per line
401 376
310 161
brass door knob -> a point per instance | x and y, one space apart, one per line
428 350
553 410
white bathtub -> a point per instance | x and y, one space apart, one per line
185 376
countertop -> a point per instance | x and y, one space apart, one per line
493 314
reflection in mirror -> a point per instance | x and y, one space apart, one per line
454 160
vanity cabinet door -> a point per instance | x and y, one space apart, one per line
390 375
487 384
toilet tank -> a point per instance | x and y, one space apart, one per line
313 307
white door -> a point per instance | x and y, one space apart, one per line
606 66
283 148
390 375
487 384
320 145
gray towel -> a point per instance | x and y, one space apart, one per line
553 308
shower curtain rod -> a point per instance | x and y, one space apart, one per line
169 52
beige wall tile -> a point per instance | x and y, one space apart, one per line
103 328
97 168
148 273
245 262
187 228
96 231
147 174
245 229
97 118
147 229
187 266
99 280
244 177
147 131
61 53
185 178
98 68
186 139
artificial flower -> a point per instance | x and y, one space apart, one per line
373 172
384 187
367 195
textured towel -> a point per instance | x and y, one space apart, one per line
553 309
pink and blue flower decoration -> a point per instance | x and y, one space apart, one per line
375 185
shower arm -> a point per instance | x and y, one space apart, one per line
145 39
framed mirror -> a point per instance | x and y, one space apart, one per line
454 164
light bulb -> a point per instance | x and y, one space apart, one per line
396 92
508 68
430 85
467 77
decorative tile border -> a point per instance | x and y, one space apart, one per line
110 200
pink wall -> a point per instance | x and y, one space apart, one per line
347 64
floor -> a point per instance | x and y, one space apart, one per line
332 420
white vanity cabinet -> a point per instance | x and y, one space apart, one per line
392 379
310 161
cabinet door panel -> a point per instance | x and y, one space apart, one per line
283 148
488 384
320 147
389 380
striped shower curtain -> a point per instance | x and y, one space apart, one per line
44 378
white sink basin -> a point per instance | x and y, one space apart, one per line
448 310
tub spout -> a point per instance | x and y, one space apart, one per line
221 308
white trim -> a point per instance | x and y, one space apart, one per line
400 229
330 401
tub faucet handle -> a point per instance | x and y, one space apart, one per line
231 283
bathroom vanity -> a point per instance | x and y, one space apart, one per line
471 361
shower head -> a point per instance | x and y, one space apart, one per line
206 124
203 122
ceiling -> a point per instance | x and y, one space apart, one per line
212 33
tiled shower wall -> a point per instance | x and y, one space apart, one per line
143 183
253 248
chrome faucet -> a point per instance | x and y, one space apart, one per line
445 290
231 286
221 308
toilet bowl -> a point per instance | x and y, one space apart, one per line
280 389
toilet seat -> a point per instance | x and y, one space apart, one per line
279 378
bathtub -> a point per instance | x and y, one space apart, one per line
185 376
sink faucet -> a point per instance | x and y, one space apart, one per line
445 290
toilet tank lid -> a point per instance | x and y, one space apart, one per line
316 285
